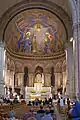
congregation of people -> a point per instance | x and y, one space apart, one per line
46 108
42 113
37 102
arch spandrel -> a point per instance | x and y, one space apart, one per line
58 67
18 68
12 66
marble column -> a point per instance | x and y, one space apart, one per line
76 34
2 62
47 79
21 82
70 70
9 79
58 81
61 79
64 81
76 47
12 80
6 77
31 79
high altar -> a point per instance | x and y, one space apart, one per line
38 90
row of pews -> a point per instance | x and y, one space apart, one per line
5 108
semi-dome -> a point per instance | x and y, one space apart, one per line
35 32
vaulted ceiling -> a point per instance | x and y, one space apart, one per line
35 27
6 4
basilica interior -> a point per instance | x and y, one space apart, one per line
39 59
35 58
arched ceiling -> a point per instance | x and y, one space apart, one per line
35 31
35 27
5 5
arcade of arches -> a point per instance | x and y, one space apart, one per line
39 50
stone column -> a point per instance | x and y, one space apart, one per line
47 80
12 80
21 82
58 81
31 79
2 62
76 48
44 80
70 70
61 79
6 78
64 81
77 59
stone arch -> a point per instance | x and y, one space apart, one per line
40 65
38 70
29 66
48 5
73 10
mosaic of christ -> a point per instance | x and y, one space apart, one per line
35 31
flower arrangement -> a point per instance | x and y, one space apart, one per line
33 91
43 91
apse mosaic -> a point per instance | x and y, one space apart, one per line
35 31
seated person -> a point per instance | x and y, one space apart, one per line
51 110
31 110
15 101
29 104
47 110
47 116
41 110
11 114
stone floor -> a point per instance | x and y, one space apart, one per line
60 116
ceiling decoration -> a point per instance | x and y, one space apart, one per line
35 32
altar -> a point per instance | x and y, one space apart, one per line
38 90
31 94
38 87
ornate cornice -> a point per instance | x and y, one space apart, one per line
37 57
